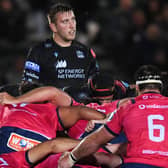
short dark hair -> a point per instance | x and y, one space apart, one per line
148 77
53 9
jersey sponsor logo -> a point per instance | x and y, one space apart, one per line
152 152
64 73
150 97
152 106
80 54
61 64
141 106
56 54
32 66
26 111
21 143
32 75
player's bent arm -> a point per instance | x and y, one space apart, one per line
87 146
70 115
92 143
56 145
41 94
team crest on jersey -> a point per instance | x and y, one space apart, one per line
56 54
61 64
21 143
80 54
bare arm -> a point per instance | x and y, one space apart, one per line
108 159
56 145
48 93
70 115
87 146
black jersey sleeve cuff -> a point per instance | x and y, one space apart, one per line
27 158
109 130
59 118
106 149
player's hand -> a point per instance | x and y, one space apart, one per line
65 161
6 98
91 124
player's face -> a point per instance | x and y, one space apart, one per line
65 25
106 100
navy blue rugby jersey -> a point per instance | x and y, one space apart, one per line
50 64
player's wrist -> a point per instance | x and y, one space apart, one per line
72 158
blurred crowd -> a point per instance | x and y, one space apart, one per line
124 34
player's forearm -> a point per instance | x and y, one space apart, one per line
86 147
108 159
37 95
90 114
92 143
63 144
56 145
42 94
38 152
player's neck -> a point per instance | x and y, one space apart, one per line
149 91
61 42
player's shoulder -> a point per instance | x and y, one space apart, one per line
79 45
43 45
125 102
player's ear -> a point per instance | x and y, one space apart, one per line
53 27
137 90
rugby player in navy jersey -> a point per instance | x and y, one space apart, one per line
60 61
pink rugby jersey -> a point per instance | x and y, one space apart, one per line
78 129
38 118
145 123
13 160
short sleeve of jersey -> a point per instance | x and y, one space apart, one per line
114 125
32 66
60 125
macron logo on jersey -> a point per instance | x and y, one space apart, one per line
61 64
32 66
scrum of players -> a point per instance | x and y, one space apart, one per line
104 132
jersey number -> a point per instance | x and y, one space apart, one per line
153 127
3 162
